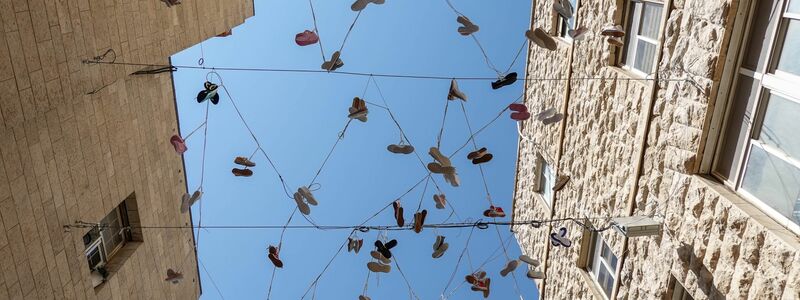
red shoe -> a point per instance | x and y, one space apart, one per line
520 116
306 38
178 143
494 212
518 107
273 257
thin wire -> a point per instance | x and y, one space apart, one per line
349 30
316 30
521 47
328 156
489 62
202 175
313 283
193 131
441 130
472 136
422 195
211 278
475 145
389 75
408 284
458 262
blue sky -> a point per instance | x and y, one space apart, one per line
297 117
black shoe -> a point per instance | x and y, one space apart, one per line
384 249
507 80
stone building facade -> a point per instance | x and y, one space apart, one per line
80 142
663 127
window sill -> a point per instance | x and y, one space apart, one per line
784 231
625 73
563 41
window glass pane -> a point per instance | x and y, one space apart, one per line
651 20
780 126
794 6
631 25
789 61
735 135
608 287
613 262
547 182
773 181
645 56
760 32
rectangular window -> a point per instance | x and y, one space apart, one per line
758 153
106 242
642 29
565 25
546 181
602 264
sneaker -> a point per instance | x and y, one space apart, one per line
494 212
357 245
437 168
385 249
509 79
358 110
440 251
350 244
178 143
306 38
400 149
378 267
520 116
613 31
419 220
334 63
510 267
452 179
528 260
398 213
518 107
477 153
467 27
542 39
563 8
377 255
561 181
243 161
535 274
173 276
361 4
578 34
273 257
482 286
615 41
301 205
454 93
440 200
306 193
187 202
439 157
242 172
485 158
208 93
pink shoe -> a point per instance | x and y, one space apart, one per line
306 38
178 143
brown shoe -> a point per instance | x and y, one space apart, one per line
242 172
419 220
273 257
243 161
398 213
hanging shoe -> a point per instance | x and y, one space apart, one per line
400 149
475 277
615 41
358 110
561 181
187 202
242 172
578 34
479 156
535 274
561 238
357 245
520 111
553 119
511 265
528 260
243 161
494 212
509 79
482 285
437 168
306 38
306 193
208 93
452 179
483 159
384 249
439 157
301 205
377 255
173 276
398 214
378 267
419 220
542 39
350 244
178 143
454 93
549 116
613 31
439 247
361 4
563 8
440 200
273 257
467 27
334 63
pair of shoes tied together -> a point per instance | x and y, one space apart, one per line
442 165
358 110
439 247
246 163
479 282
303 197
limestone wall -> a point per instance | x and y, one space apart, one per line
715 244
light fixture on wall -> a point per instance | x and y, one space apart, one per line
634 226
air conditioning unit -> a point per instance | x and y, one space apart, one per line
637 226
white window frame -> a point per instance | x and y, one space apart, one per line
562 24
545 180
101 244
632 21
596 263
770 81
